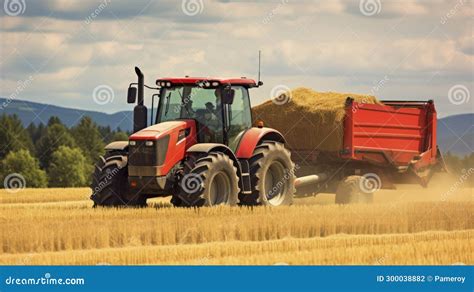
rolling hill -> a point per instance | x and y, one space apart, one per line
455 133
32 112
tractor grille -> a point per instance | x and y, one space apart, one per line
142 155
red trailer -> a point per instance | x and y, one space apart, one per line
383 144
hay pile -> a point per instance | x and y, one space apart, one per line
309 120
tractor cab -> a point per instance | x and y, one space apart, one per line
220 107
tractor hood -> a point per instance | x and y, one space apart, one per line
170 140
159 130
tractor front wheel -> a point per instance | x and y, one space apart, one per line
110 186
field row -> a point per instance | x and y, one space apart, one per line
43 229
420 248
440 190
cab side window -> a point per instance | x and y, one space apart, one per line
241 117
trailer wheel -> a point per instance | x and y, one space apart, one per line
110 186
208 181
349 191
272 176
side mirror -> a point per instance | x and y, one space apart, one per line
228 95
132 94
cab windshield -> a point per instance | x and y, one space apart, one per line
193 102
204 105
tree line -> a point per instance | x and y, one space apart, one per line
52 155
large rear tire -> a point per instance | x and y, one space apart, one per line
110 186
208 181
272 176
349 191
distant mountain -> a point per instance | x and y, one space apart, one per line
37 112
455 133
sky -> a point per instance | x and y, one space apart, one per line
81 54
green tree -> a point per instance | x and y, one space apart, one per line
13 136
21 162
105 133
54 120
120 136
36 132
68 168
56 135
88 139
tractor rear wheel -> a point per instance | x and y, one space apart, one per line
272 176
350 191
208 181
110 186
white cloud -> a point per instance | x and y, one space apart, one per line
315 44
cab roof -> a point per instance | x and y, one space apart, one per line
243 81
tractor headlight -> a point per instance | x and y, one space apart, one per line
215 83
132 143
149 143
168 84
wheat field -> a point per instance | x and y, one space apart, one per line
406 226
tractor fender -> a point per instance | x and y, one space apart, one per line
117 145
255 136
205 148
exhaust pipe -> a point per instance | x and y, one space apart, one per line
310 180
141 85
140 112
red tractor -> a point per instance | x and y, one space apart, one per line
200 148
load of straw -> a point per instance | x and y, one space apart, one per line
309 120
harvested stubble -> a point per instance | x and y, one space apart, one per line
309 120
434 247
44 229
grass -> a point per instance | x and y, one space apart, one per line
58 226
